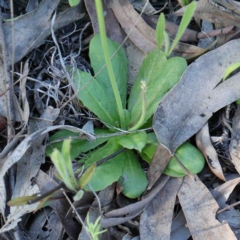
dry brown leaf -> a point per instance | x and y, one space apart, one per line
156 219
222 193
200 211
204 144
179 228
234 147
199 93
157 165
142 35
28 36
207 11
113 217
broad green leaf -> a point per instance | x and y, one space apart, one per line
108 172
183 25
149 149
20 201
160 75
160 30
96 98
97 93
119 63
78 146
74 3
190 157
133 140
86 177
133 179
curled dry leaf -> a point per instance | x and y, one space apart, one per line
214 12
141 34
204 144
189 105
222 193
200 208
28 36
133 209
234 147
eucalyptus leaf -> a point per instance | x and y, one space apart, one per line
189 105
133 179
160 75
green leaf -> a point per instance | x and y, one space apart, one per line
133 140
20 201
108 172
97 93
230 69
190 157
74 3
119 63
78 195
66 147
133 179
60 164
78 146
183 25
160 75
86 177
95 97
160 30
149 150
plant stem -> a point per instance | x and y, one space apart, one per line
142 118
103 37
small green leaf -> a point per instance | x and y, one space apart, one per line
167 43
86 177
149 150
60 164
74 3
160 75
78 195
108 172
190 157
133 140
230 69
20 201
183 25
160 30
133 179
